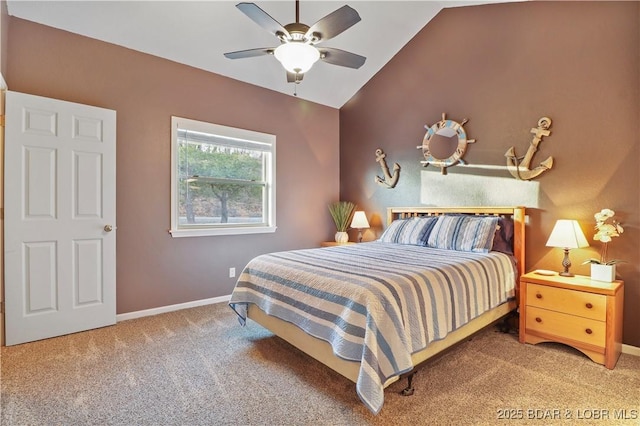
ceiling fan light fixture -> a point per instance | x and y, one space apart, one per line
297 57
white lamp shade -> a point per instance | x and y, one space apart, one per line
297 57
359 220
567 234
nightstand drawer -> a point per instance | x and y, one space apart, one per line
566 326
587 305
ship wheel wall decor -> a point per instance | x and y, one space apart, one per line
436 144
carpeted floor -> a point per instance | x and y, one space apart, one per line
199 367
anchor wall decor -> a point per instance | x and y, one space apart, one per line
389 181
519 166
447 129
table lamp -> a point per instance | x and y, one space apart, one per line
359 222
566 234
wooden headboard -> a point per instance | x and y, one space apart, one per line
515 213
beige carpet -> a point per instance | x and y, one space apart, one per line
199 367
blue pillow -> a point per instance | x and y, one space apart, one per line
464 233
413 231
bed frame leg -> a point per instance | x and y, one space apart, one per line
409 389
506 325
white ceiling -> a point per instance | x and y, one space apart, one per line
197 33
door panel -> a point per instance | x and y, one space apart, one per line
40 278
39 122
40 183
59 195
87 181
87 279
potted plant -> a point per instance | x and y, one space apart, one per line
341 212
606 228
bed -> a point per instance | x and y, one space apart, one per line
374 311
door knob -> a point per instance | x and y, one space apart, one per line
108 228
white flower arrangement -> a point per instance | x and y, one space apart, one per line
606 228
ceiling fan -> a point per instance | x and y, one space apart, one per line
298 51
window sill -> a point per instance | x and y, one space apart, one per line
178 233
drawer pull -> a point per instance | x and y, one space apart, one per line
588 331
538 296
538 319
589 305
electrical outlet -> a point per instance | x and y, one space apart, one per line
232 272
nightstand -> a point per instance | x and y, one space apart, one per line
577 311
333 243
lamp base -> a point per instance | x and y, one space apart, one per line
566 263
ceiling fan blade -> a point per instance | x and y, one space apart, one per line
262 18
341 57
293 77
334 23
249 53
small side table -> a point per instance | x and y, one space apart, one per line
577 311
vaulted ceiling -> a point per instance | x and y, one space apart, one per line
198 33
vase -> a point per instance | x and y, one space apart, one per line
606 273
342 237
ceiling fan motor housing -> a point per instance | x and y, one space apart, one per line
297 31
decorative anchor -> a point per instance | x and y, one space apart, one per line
519 166
388 180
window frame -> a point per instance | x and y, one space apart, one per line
270 180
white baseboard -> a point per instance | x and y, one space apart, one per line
171 308
631 350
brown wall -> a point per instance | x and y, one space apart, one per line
504 66
4 36
154 269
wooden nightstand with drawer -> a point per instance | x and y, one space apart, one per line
576 311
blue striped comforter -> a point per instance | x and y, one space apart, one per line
376 303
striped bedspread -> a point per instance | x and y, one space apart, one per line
376 303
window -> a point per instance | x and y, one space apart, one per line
222 180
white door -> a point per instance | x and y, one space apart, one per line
60 211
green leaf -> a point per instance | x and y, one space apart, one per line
342 212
